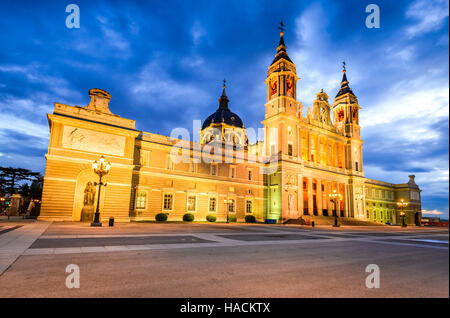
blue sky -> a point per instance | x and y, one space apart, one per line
163 63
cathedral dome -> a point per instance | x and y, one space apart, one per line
223 115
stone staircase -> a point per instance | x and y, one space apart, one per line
329 220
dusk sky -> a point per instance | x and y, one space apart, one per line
163 62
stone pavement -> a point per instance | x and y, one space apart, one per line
17 239
220 260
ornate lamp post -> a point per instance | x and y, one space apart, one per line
227 206
101 168
335 197
402 204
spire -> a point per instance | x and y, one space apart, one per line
281 49
223 100
344 83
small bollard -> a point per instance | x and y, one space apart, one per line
111 221
312 224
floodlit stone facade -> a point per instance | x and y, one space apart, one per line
289 175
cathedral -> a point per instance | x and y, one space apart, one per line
290 175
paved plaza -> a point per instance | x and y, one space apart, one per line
220 260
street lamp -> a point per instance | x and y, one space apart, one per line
335 197
227 202
402 204
101 168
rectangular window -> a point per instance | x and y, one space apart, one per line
231 206
249 206
141 199
356 165
233 172
168 202
212 204
289 150
249 175
191 202
213 170
169 163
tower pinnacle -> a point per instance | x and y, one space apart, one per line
223 100
281 49
344 83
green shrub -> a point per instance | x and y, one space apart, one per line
161 217
211 218
232 218
250 219
188 217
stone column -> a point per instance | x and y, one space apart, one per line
309 146
336 160
346 201
319 197
328 152
300 194
338 205
318 149
310 196
329 203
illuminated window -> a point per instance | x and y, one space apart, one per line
168 202
231 206
249 206
191 202
212 204
141 199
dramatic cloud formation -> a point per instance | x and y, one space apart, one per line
164 62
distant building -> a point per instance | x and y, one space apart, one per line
304 160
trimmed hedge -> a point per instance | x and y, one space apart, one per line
188 217
211 218
250 219
161 217
232 218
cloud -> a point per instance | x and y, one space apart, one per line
429 15
432 212
197 33
155 85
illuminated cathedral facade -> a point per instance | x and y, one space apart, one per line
288 176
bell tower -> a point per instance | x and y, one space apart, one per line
346 120
281 82
346 109
282 107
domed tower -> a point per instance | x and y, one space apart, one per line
224 126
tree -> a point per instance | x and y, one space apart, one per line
36 190
25 190
10 177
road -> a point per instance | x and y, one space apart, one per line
221 260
